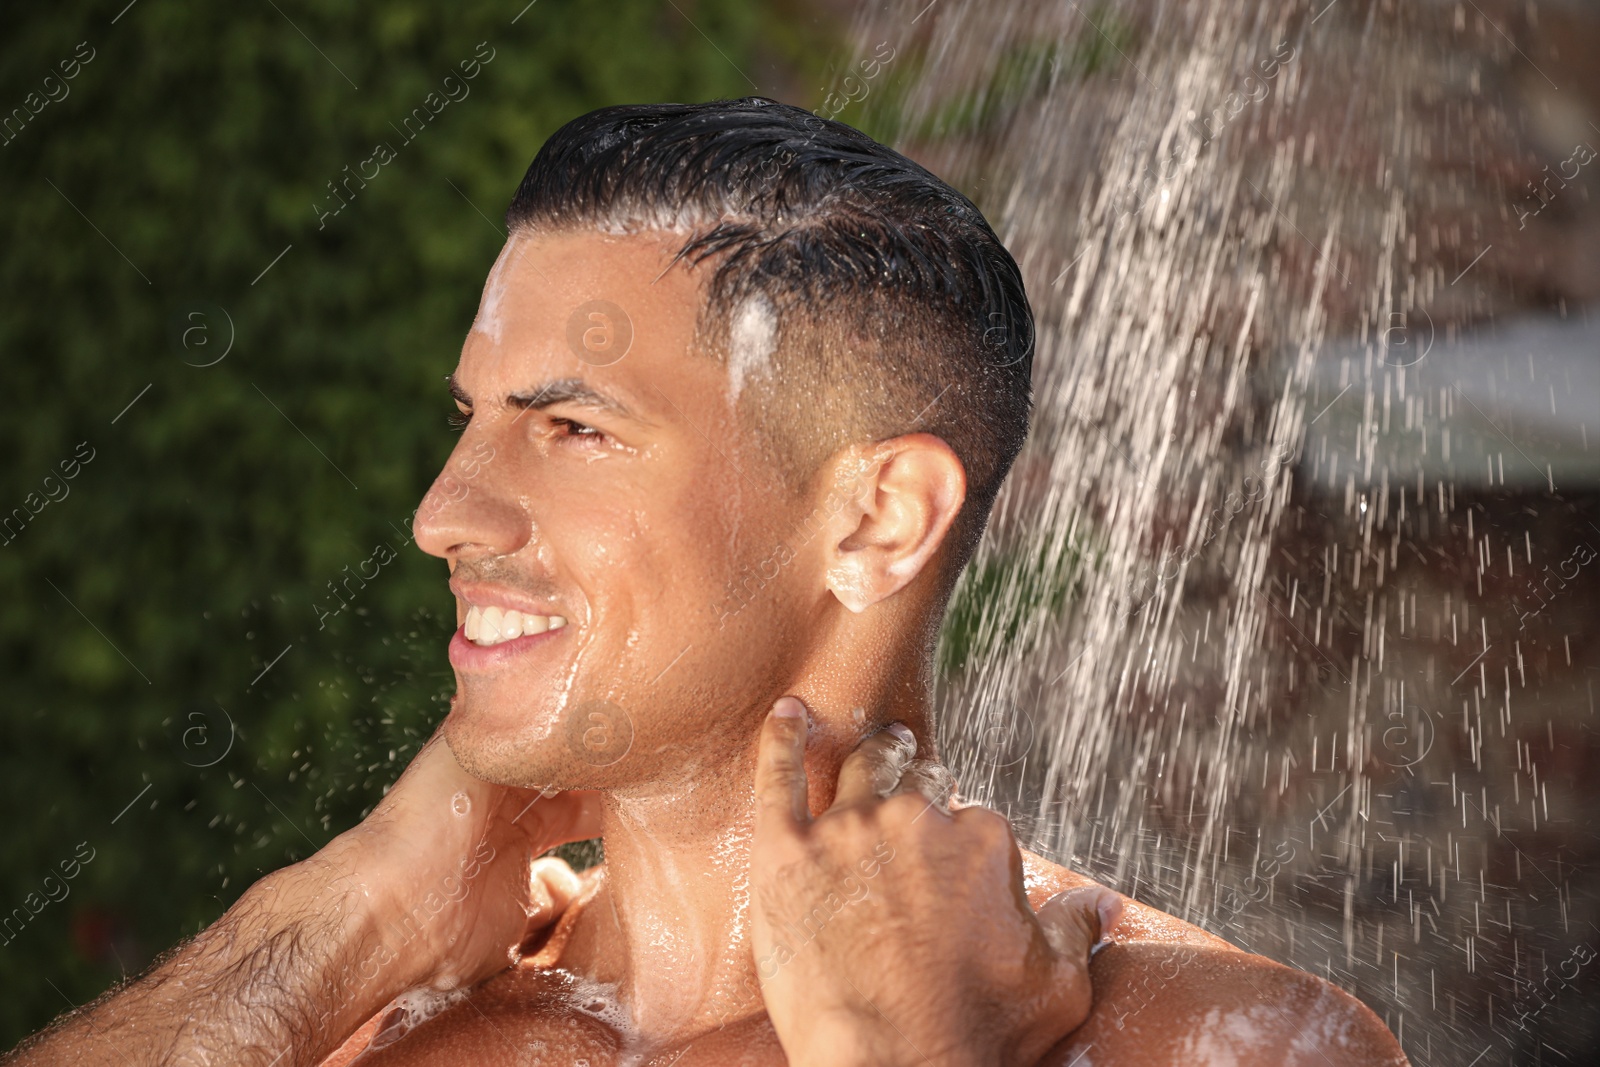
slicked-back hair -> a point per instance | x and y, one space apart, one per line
891 306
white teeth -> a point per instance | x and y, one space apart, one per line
494 625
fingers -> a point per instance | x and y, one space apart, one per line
781 770
873 770
929 778
552 887
1075 921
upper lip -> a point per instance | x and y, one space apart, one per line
488 594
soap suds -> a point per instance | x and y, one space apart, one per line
494 291
1228 1038
752 338
410 1010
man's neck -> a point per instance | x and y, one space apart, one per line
670 926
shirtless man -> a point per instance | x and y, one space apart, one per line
741 389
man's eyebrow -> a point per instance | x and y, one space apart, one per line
558 391
569 391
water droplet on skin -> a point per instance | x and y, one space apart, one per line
461 803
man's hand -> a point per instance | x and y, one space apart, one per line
889 931
444 861
436 887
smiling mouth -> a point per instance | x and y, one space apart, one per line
490 626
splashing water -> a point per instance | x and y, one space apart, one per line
1245 638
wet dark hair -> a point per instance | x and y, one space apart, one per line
896 308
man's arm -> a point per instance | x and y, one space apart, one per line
261 985
432 889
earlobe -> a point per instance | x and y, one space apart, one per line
850 587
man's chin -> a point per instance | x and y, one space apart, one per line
526 758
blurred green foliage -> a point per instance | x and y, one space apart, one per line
1001 592
171 707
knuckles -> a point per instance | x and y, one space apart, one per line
988 829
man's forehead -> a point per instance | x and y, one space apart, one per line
548 282
575 265
603 319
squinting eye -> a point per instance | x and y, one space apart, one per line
574 428
458 420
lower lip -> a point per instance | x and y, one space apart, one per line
466 656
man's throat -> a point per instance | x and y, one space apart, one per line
667 926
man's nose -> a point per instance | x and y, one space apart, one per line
469 508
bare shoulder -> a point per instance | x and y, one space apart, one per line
1140 922
1168 992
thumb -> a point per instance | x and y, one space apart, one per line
781 788
1076 921
552 887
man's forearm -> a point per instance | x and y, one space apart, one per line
432 888
277 980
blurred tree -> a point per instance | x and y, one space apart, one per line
256 380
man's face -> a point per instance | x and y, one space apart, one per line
602 480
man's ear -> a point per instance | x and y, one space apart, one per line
900 497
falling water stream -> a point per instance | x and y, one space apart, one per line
1250 637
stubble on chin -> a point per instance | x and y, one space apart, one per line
522 758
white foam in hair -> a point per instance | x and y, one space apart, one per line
679 218
752 338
